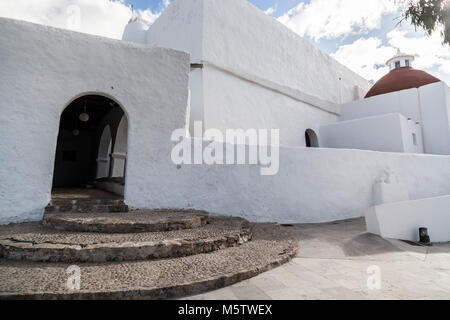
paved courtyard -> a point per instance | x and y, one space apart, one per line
335 261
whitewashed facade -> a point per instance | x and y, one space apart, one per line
231 66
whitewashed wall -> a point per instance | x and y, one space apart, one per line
313 185
41 74
232 102
435 106
239 36
402 220
405 102
43 69
235 35
247 55
428 105
180 27
390 132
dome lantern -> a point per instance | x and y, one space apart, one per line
400 60
401 76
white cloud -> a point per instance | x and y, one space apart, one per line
271 10
106 18
428 50
334 18
366 57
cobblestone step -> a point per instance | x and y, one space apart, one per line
270 247
86 206
35 242
131 222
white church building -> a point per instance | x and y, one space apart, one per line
78 108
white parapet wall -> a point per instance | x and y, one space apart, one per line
390 132
402 220
312 185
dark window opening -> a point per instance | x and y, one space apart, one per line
311 139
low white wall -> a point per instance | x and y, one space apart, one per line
312 185
389 133
402 220
405 102
43 69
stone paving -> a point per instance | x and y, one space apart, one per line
153 279
333 263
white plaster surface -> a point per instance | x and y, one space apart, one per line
428 106
402 220
48 68
180 26
232 102
238 36
43 70
136 31
235 35
390 132
435 104
257 57
313 185
405 102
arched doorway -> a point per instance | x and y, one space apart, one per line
311 139
86 138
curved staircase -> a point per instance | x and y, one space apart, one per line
134 255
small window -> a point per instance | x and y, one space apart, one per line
311 139
414 139
406 63
397 64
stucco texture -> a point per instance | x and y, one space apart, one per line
43 70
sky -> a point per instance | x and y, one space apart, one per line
361 34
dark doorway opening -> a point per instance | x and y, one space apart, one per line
87 132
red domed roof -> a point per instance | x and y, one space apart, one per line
401 79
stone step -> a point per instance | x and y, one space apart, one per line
270 247
131 222
86 206
35 242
